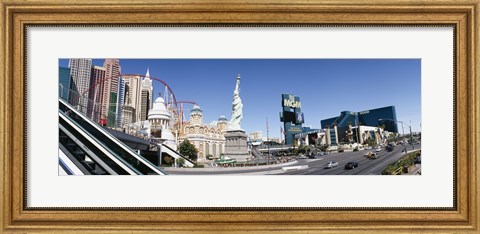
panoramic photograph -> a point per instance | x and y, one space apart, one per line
239 116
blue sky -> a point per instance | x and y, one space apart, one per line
325 86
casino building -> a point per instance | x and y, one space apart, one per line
360 126
208 139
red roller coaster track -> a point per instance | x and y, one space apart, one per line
142 76
177 109
189 102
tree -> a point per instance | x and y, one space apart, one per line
168 160
370 142
180 161
392 136
323 147
188 149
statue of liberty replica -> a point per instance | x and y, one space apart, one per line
236 139
237 106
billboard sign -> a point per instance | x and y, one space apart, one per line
291 101
299 118
292 129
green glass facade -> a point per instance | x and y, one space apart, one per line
64 80
112 111
385 116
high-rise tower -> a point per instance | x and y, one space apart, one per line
146 96
95 94
110 90
65 79
80 70
131 100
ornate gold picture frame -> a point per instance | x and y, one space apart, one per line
16 15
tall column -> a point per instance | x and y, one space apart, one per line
327 137
336 134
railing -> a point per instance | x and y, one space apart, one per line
175 154
398 171
256 153
111 117
108 141
90 154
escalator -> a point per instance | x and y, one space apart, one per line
256 153
174 154
94 151
67 166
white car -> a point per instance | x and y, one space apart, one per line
331 164
302 157
378 149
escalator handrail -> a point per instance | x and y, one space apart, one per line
114 157
64 156
186 159
64 166
114 139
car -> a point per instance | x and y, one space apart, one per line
351 165
302 157
331 164
390 148
378 149
371 155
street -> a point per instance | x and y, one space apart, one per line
367 166
315 166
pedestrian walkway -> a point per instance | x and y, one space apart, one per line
238 169
415 171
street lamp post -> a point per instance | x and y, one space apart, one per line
268 146
403 132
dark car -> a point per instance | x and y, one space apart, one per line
351 165
390 147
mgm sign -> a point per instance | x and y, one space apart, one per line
291 117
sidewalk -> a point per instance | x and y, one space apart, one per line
232 169
415 171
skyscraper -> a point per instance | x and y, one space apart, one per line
146 96
120 101
95 95
110 91
80 70
65 80
132 95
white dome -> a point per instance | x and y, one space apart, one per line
170 139
159 110
159 99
